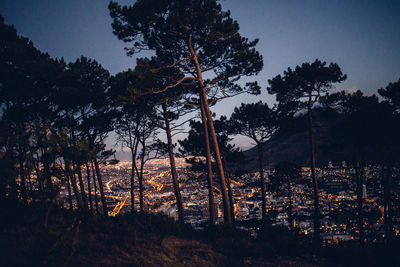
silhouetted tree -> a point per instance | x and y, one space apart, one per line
389 143
197 38
128 126
258 122
391 93
193 145
146 134
87 112
306 84
286 175
27 80
162 109
357 127
368 124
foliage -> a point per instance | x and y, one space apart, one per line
306 83
286 174
255 120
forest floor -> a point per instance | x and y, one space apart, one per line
37 237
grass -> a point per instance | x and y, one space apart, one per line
70 239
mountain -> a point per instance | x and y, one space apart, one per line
292 142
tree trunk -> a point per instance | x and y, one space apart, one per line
96 200
211 202
73 183
140 178
317 233
47 176
231 204
14 189
89 186
228 182
290 208
132 191
30 188
227 217
203 95
24 195
2 192
100 181
360 218
81 185
387 202
174 174
69 193
261 170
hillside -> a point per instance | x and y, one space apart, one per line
292 143
37 236
29 237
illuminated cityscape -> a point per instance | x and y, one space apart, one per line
337 195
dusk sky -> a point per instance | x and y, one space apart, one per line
363 37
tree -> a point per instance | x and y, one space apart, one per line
391 93
27 80
286 174
51 112
258 122
145 135
357 126
305 84
368 124
128 124
162 109
193 146
199 39
86 112
389 144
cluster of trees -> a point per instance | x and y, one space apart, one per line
56 115
372 124
67 110
54 119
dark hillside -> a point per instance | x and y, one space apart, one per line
68 239
30 238
291 143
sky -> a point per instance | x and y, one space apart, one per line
362 37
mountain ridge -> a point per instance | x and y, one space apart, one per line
292 142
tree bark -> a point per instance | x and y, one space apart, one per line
133 145
100 181
211 202
73 183
227 217
81 185
387 202
261 170
203 95
174 174
228 182
89 186
24 195
96 200
132 191
290 208
140 178
47 176
317 223
69 193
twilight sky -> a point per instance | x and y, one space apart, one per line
362 36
